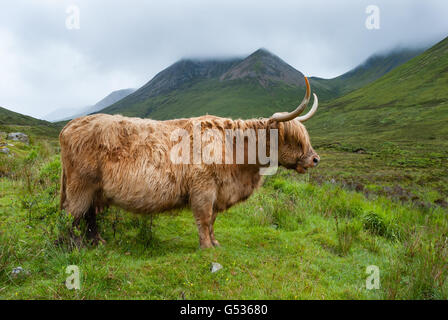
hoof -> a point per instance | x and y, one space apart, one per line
76 242
96 240
206 245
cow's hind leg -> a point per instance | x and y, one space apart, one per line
77 204
92 227
212 231
75 238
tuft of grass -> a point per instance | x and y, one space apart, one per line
346 234
422 271
378 225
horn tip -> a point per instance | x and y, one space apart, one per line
308 88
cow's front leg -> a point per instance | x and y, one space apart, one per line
203 218
203 211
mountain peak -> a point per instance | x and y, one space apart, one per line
184 72
261 67
262 52
265 68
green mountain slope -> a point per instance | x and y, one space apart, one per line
410 102
13 121
372 69
259 85
393 131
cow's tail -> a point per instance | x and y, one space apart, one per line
63 188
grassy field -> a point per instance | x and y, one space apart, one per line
298 237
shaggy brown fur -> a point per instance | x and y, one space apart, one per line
114 160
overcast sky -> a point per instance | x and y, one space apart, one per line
120 44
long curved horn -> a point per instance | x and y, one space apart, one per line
311 112
281 116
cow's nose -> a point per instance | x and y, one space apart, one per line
316 160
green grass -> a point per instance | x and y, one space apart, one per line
293 239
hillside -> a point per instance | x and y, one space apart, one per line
258 85
13 121
372 69
398 126
410 102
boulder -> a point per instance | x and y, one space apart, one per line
19 271
5 150
19 136
215 267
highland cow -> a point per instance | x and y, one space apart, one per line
127 162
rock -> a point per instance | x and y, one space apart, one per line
215 267
18 136
333 181
5 150
18 271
